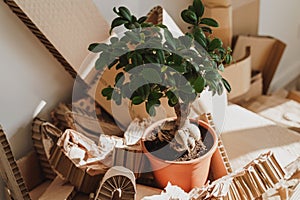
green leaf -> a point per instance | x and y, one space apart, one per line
150 107
100 63
200 37
117 22
199 84
132 36
199 8
137 100
117 97
228 59
209 22
221 67
189 17
119 78
107 92
113 63
151 75
172 101
142 19
155 96
220 88
215 44
206 29
191 8
169 39
226 85
125 13
97 47
161 56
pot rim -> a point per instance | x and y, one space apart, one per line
201 123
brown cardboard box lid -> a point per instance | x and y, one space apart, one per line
266 53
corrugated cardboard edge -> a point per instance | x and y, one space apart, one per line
37 126
43 39
11 173
67 170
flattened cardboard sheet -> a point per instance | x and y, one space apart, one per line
65 27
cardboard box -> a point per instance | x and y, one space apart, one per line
223 15
266 54
238 74
245 17
217 3
255 89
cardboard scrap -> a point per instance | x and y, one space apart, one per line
58 189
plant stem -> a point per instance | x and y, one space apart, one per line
182 112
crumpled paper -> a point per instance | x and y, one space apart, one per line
135 131
85 153
171 192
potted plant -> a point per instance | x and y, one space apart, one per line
152 64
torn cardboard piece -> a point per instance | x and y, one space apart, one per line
58 189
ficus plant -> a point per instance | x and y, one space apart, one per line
153 64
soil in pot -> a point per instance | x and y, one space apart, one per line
165 151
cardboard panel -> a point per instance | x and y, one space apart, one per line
245 16
224 17
65 27
238 75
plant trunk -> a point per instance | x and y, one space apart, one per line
182 111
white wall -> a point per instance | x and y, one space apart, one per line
281 19
28 74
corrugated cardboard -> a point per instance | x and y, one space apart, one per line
66 28
28 164
224 17
266 53
245 16
238 75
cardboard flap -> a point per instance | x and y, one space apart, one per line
266 55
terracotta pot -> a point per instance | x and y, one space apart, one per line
185 174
